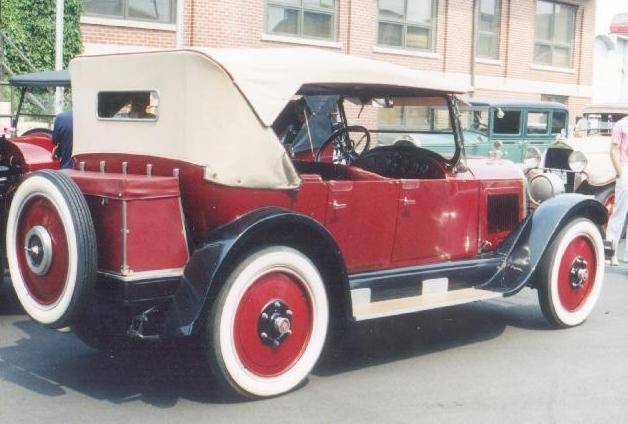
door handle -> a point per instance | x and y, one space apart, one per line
335 205
408 202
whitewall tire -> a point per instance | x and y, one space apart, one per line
51 248
571 274
268 325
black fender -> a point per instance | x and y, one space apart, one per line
524 248
210 264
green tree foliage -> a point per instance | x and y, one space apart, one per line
31 25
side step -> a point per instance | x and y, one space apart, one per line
364 309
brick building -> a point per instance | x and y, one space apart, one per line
523 49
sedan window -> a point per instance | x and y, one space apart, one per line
559 122
538 123
506 122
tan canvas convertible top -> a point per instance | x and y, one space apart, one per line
216 106
606 108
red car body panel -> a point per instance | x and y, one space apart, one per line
377 222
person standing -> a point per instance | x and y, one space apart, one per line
62 138
619 157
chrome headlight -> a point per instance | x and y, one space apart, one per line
544 186
532 158
577 161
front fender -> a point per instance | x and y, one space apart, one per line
209 265
524 249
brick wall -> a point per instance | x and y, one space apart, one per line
231 23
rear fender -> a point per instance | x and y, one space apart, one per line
524 249
211 263
30 153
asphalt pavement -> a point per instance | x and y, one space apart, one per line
488 362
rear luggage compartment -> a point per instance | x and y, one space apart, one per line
139 224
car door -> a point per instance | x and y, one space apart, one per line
507 128
361 216
437 220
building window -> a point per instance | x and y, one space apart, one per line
554 98
302 18
407 23
489 24
555 32
162 11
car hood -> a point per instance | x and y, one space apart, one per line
484 168
596 148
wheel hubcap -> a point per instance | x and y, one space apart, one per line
576 275
38 248
273 323
579 273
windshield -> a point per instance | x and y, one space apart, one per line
597 124
474 120
421 121
37 110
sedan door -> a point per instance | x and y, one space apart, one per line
507 128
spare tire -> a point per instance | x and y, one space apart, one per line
51 248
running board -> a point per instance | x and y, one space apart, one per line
364 309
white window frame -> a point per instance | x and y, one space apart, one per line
552 44
302 9
495 34
405 23
125 14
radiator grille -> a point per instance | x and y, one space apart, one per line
503 212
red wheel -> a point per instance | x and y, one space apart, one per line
268 326
48 225
40 233
273 323
576 272
571 274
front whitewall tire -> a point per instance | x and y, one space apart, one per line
554 307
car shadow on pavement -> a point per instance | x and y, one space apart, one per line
50 362
377 342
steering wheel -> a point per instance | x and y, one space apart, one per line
347 149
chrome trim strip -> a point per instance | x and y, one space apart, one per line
144 275
125 231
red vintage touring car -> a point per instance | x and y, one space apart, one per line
185 215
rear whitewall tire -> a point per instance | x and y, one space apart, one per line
68 202
223 355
